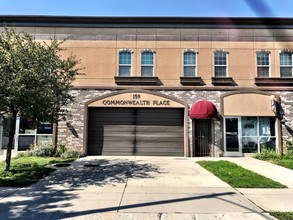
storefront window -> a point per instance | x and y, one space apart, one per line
266 126
267 133
257 133
249 134
29 135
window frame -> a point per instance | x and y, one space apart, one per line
189 65
286 66
221 65
263 65
147 65
125 65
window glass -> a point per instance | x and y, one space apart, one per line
285 59
266 126
286 64
147 63
267 143
125 63
249 126
125 58
189 60
263 64
220 62
249 144
45 128
220 58
26 126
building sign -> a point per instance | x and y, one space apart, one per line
136 99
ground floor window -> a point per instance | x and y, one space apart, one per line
29 135
249 134
26 133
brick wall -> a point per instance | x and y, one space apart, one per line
71 130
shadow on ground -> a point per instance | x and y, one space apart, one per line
42 200
101 172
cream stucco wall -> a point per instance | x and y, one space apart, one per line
97 48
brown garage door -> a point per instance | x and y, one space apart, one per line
135 131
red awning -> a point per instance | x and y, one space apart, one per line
203 109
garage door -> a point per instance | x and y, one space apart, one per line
136 131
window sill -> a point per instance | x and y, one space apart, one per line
274 81
137 80
223 81
191 81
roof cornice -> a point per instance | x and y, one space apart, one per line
188 22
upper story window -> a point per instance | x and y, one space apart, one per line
189 64
220 63
263 63
286 64
147 63
124 63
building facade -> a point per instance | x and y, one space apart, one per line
171 86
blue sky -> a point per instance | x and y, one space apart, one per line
187 8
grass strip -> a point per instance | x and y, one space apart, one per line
282 215
284 162
237 176
27 170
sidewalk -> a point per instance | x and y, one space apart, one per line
130 188
267 199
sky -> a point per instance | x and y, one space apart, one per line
153 8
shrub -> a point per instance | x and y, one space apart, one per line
71 153
23 154
289 148
267 153
61 149
42 149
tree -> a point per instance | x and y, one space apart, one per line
35 81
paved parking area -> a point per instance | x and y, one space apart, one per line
129 188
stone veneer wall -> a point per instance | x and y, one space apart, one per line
286 100
70 131
192 96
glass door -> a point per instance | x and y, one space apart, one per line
232 136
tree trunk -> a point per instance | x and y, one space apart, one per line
10 141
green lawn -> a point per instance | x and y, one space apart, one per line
282 161
237 176
27 170
282 215
285 160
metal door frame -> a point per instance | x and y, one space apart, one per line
236 153
209 139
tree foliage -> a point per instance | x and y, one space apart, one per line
35 80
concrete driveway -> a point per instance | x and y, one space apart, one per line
129 188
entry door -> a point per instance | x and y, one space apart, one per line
202 137
232 132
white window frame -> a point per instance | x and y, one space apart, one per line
269 66
147 65
227 62
131 61
240 136
183 65
290 52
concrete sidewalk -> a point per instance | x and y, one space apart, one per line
267 199
130 188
